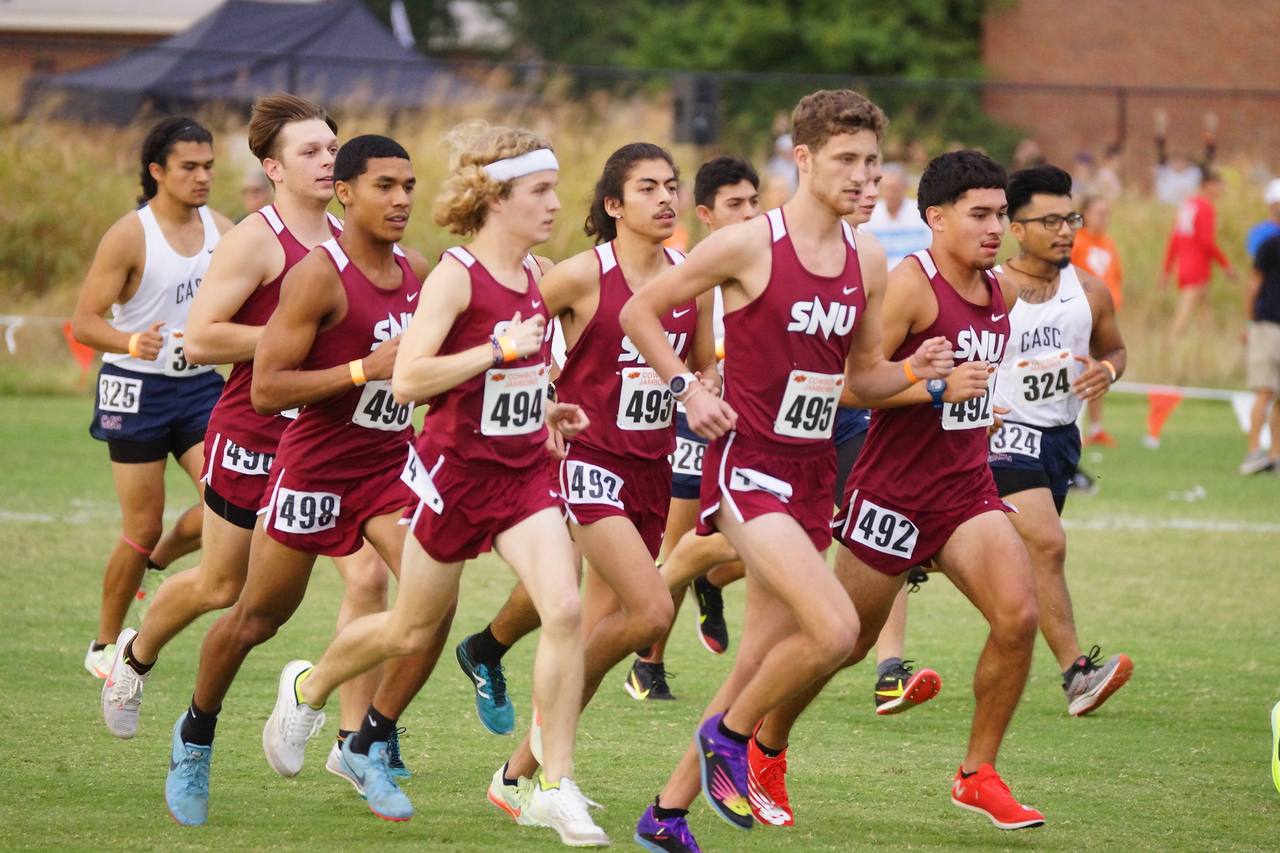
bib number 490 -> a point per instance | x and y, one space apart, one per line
885 530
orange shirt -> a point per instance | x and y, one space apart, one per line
1096 253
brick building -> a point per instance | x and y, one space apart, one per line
1146 54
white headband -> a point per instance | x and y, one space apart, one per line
525 164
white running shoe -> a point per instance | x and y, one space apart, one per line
122 691
99 663
535 734
564 809
291 724
151 580
513 799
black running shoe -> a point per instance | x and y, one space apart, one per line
712 631
648 681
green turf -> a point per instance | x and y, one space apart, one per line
1175 761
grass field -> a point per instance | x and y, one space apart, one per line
1175 761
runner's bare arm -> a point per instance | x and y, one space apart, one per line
113 278
248 257
420 265
311 298
419 372
1105 342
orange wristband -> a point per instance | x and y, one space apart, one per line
1110 367
509 351
357 371
911 376
133 344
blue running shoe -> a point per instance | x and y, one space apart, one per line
394 761
372 779
492 705
665 836
186 790
724 773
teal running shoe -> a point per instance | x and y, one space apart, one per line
394 761
186 790
372 779
492 705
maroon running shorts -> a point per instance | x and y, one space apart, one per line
599 485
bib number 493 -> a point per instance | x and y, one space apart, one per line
645 403
885 530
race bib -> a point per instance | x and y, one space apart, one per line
645 402
513 400
688 457
245 461
1043 379
885 531
1017 438
175 361
749 479
591 484
809 404
417 478
971 414
378 408
118 393
306 512
291 414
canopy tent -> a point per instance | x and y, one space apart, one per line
333 52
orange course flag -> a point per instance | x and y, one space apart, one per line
1161 407
82 353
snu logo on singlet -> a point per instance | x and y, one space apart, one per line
810 317
973 345
387 329
630 354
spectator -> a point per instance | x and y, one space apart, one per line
1177 178
255 193
1084 175
1262 360
783 162
1193 248
1269 227
1106 179
1095 251
894 223
1027 155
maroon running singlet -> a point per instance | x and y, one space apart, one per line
240 444
482 446
780 457
339 463
923 470
619 465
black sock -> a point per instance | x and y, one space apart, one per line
769 753
140 668
730 734
507 780
151 565
886 665
97 647
343 734
484 648
964 775
198 726
374 728
659 813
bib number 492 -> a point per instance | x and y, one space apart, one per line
971 414
885 530
591 484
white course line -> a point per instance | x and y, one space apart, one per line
1211 525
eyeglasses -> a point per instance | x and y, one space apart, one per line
1053 221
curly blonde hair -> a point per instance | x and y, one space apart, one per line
463 201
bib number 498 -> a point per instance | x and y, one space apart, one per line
306 512
379 410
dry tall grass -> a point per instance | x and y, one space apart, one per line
62 185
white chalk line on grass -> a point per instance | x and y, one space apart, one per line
77 517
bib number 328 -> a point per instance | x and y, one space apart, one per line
513 400
885 530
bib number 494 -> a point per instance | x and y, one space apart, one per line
513 400
885 530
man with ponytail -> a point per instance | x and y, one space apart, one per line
151 400
477 352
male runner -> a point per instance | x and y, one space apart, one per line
295 141
922 491
151 400
1065 349
480 470
796 279
329 346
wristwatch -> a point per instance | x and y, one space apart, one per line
680 384
935 387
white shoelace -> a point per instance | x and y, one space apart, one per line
127 689
303 724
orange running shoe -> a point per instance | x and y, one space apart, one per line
1101 437
767 786
986 793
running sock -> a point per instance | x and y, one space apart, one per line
769 753
134 663
659 813
151 566
343 734
484 648
507 780
97 647
964 775
888 664
374 728
730 734
198 725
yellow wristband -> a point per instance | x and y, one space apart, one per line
911 376
357 371
1110 367
508 347
133 344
